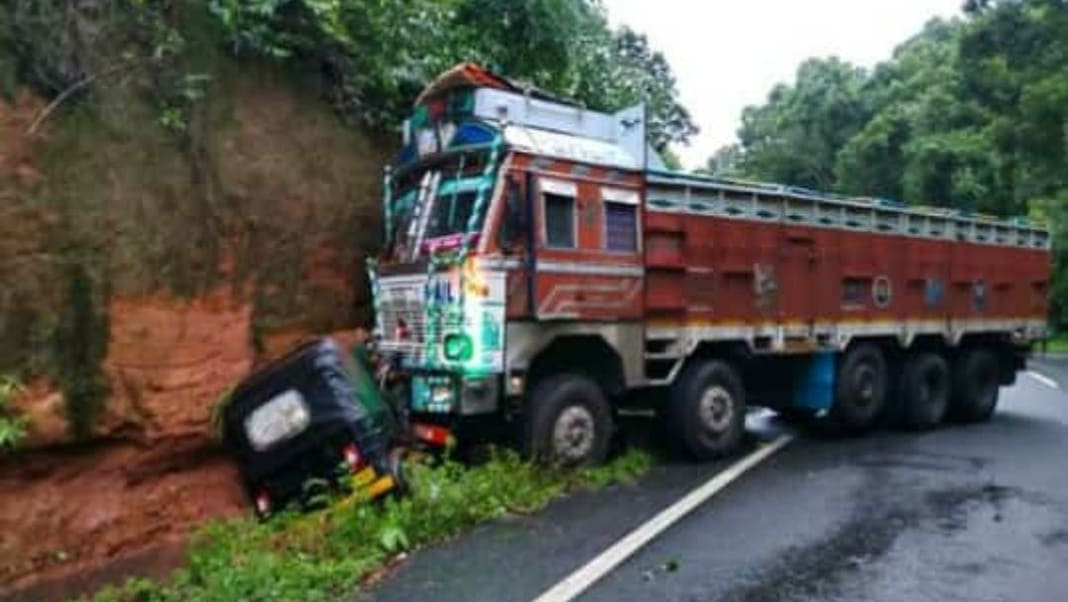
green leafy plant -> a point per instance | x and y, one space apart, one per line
1058 343
323 555
12 428
380 54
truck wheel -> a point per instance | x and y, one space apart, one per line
975 386
925 391
706 412
567 422
860 394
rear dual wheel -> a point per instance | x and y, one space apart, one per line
933 390
925 391
861 390
976 386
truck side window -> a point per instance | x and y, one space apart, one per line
620 219
559 221
620 227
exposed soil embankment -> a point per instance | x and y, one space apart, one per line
198 255
168 362
153 470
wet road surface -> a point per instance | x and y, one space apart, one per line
971 513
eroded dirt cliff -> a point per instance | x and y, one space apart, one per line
202 254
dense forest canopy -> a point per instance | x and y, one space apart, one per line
970 114
380 53
374 55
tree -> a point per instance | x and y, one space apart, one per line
640 74
378 54
796 135
908 94
725 162
970 114
1055 213
967 114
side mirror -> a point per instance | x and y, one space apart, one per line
512 224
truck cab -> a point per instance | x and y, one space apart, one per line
513 225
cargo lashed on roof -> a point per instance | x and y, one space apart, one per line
471 75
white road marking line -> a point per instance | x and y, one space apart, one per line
1042 378
584 577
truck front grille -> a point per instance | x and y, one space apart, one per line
402 300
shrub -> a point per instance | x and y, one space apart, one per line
322 556
12 428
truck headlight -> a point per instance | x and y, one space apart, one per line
283 417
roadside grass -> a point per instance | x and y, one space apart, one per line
1058 343
325 555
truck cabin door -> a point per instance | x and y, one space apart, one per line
588 259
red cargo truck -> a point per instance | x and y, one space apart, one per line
541 268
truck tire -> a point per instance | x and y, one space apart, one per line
975 386
861 391
925 391
706 410
567 422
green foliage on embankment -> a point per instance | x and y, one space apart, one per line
379 54
324 555
12 426
1058 343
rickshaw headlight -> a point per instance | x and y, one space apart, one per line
283 417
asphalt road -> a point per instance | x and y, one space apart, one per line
971 513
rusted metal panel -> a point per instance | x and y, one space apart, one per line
860 266
729 261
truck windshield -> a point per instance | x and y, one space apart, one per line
451 214
437 207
